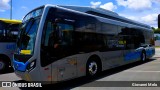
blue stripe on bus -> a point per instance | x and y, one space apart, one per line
137 54
132 55
20 66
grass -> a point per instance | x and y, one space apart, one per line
157 46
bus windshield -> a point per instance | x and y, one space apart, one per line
27 35
28 31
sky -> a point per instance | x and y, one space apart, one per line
144 11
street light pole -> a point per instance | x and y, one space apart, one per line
11 11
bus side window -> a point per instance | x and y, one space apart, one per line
46 48
65 33
63 40
48 33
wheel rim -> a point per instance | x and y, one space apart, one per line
1 65
143 57
93 68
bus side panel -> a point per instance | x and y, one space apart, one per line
7 49
64 69
150 51
111 59
81 64
132 55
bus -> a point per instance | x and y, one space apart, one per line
8 35
58 43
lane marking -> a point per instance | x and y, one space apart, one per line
141 71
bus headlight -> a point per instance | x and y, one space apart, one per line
31 65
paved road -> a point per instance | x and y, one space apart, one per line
122 76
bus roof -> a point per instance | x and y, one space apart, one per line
10 21
104 13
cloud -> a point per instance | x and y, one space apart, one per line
130 17
150 19
156 1
24 7
109 6
4 5
149 7
135 4
95 4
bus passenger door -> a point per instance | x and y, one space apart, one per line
63 50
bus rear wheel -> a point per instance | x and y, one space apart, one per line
143 56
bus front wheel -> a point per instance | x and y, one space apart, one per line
93 68
3 64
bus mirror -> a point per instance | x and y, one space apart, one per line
159 21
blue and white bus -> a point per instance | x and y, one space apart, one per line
58 43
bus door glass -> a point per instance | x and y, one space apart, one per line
56 47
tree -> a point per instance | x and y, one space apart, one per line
153 28
157 30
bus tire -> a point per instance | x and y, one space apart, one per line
93 67
3 64
143 56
